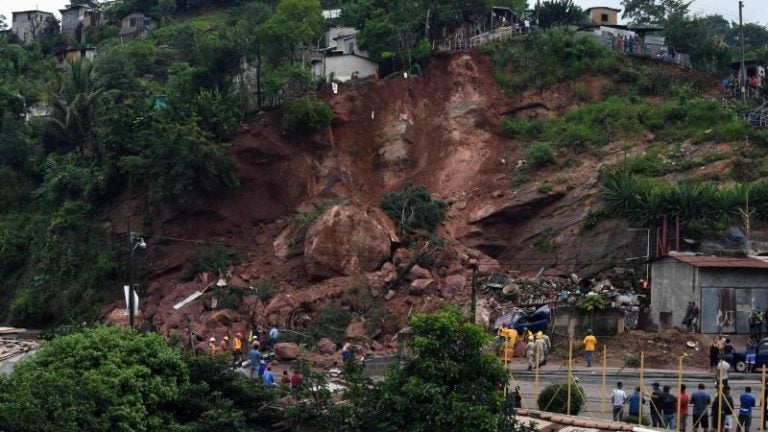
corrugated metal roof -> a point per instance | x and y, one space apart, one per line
721 261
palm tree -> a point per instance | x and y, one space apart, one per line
589 303
74 106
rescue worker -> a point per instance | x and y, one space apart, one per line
237 350
539 351
529 352
212 346
224 344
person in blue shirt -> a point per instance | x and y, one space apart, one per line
262 367
255 357
634 402
700 401
269 377
747 402
273 335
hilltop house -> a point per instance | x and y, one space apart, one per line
136 25
27 25
723 287
602 15
342 59
76 18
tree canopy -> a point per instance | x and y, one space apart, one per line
108 379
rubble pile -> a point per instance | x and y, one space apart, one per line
11 347
618 286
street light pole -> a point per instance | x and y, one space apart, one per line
136 243
743 70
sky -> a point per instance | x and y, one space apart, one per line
754 10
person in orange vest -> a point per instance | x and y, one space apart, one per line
223 344
237 350
212 346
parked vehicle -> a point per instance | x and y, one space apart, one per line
761 357
518 319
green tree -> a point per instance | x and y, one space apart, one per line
553 13
296 24
75 107
103 379
175 159
755 37
412 208
109 379
449 383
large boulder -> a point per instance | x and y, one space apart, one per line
286 351
290 242
326 346
348 240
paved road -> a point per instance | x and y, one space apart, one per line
591 381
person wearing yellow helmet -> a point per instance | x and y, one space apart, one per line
212 346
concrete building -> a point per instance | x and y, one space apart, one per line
27 25
342 59
729 287
136 25
75 19
602 15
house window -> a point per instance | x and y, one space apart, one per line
604 17
132 22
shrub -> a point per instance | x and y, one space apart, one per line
545 188
539 154
306 116
554 398
211 259
522 128
330 322
412 208
581 93
265 290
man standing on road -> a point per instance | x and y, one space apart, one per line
722 410
746 403
700 401
618 397
656 397
668 408
635 401
590 342
540 350
255 357
721 373
683 399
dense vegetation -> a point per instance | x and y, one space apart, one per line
413 209
106 379
151 117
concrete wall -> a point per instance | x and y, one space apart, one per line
141 23
596 15
342 67
733 292
672 287
575 322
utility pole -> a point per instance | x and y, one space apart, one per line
743 70
473 304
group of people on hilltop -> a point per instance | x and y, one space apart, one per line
732 86
666 413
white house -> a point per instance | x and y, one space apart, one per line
27 25
342 57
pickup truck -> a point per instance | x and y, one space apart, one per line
761 357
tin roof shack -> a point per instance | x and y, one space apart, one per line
728 287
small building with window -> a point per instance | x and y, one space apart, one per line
75 18
136 25
27 25
726 289
342 59
603 15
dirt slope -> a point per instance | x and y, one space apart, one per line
440 130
